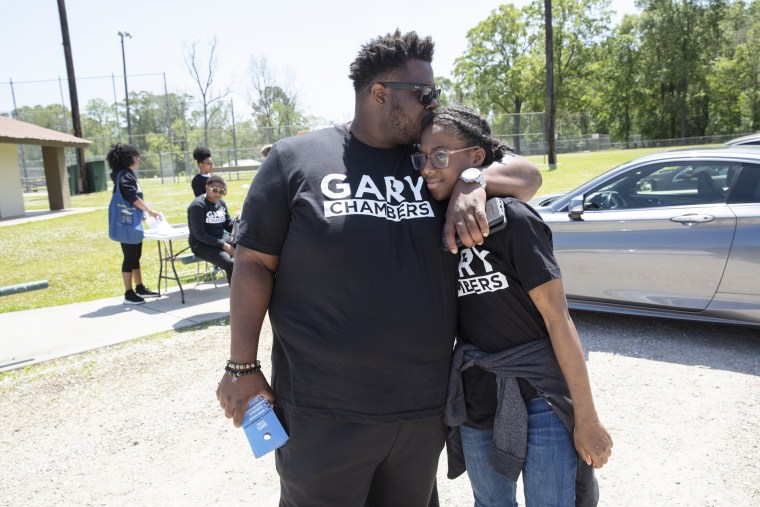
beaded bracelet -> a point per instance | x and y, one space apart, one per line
242 366
238 370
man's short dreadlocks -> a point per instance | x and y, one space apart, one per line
386 54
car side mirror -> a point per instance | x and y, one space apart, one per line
575 210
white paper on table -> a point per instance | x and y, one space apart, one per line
160 225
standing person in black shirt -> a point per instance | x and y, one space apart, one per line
210 224
340 242
520 397
202 156
124 159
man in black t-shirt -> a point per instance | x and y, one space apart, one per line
340 242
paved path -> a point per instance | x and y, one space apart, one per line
33 336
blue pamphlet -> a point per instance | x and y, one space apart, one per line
262 428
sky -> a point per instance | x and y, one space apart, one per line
312 41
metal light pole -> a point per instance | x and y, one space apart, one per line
126 90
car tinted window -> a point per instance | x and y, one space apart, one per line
745 186
672 184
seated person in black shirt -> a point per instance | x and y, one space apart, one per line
210 225
202 156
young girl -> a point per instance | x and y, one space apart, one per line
518 360
202 156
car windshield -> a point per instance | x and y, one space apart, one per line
669 184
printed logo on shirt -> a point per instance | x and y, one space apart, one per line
216 217
477 275
394 199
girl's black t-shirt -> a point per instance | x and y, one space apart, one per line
495 310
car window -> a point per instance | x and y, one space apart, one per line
745 186
672 184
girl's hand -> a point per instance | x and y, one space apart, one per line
593 443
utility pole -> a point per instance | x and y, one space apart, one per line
126 90
73 98
551 107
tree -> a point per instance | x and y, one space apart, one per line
680 41
451 92
748 60
100 125
579 27
275 103
204 78
498 70
52 116
617 70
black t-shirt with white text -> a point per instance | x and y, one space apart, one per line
208 221
495 310
363 307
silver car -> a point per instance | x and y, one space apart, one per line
675 234
752 139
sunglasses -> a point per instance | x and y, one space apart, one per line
427 92
218 190
438 159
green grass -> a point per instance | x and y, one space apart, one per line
81 264
576 168
73 253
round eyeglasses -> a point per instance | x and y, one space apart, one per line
438 159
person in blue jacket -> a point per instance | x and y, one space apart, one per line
124 159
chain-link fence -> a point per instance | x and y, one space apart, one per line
166 127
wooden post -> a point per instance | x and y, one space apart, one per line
551 107
54 161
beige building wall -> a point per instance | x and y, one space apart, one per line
11 193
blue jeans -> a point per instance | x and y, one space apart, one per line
549 471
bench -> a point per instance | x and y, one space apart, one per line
23 287
33 183
210 271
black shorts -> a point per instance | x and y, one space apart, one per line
333 463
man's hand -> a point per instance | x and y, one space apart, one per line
234 396
466 216
229 249
593 443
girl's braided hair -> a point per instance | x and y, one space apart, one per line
463 122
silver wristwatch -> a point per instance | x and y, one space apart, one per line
473 175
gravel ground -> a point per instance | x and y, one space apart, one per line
139 424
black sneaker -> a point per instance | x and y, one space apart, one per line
130 298
143 291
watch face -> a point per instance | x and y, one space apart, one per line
470 175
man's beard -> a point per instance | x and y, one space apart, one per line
405 130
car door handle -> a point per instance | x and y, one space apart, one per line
693 218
